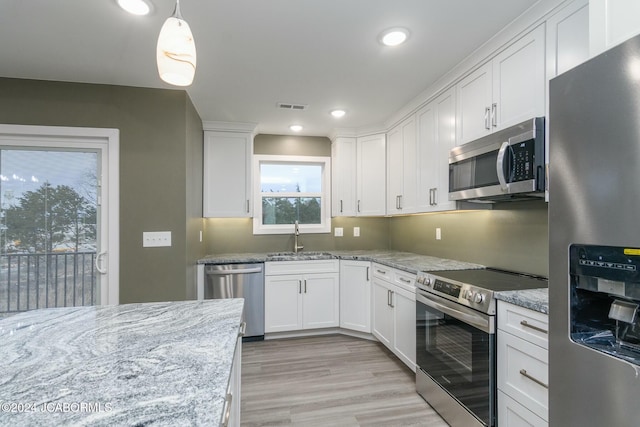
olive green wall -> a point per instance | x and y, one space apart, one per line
512 236
159 168
231 235
291 145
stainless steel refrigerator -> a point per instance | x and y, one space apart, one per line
594 238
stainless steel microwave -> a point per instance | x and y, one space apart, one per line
503 166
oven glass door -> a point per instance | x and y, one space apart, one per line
456 348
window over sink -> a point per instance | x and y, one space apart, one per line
289 189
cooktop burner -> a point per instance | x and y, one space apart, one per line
493 279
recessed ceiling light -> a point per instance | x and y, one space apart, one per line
135 7
394 36
338 113
295 128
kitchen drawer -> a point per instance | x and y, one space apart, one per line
405 280
524 323
523 373
513 414
400 278
277 268
383 272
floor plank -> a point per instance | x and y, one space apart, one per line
329 380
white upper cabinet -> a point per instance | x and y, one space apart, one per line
343 183
371 179
436 125
227 174
359 180
612 22
401 168
567 38
505 91
474 105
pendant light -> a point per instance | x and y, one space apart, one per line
176 51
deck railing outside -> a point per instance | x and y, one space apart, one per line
30 281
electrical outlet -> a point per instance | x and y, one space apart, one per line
200 235
438 234
154 239
356 231
338 231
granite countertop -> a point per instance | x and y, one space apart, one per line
406 261
533 299
133 364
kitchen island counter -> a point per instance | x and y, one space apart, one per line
163 363
406 261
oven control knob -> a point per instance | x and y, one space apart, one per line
469 295
479 298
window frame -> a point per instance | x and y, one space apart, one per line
325 205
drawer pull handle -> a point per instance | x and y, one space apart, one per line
535 328
524 373
405 280
381 271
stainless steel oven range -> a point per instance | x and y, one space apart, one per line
456 341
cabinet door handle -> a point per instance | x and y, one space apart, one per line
247 205
341 206
487 122
494 114
400 198
524 373
388 297
391 304
535 328
358 206
305 286
299 286
368 274
435 197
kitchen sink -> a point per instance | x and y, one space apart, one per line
293 256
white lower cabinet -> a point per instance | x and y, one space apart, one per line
355 295
295 301
523 366
394 312
231 413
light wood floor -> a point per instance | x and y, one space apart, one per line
331 380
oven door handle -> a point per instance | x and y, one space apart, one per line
484 323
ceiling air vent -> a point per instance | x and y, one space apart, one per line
290 106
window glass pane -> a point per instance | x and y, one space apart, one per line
290 178
286 210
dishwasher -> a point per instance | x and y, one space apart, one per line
239 281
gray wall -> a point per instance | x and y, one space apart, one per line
160 170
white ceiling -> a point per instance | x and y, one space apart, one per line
253 54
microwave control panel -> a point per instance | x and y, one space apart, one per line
523 157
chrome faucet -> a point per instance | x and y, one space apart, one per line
296 233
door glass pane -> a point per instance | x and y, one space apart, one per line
48 228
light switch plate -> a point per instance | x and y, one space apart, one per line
438 234
338 231
356 231
155 239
